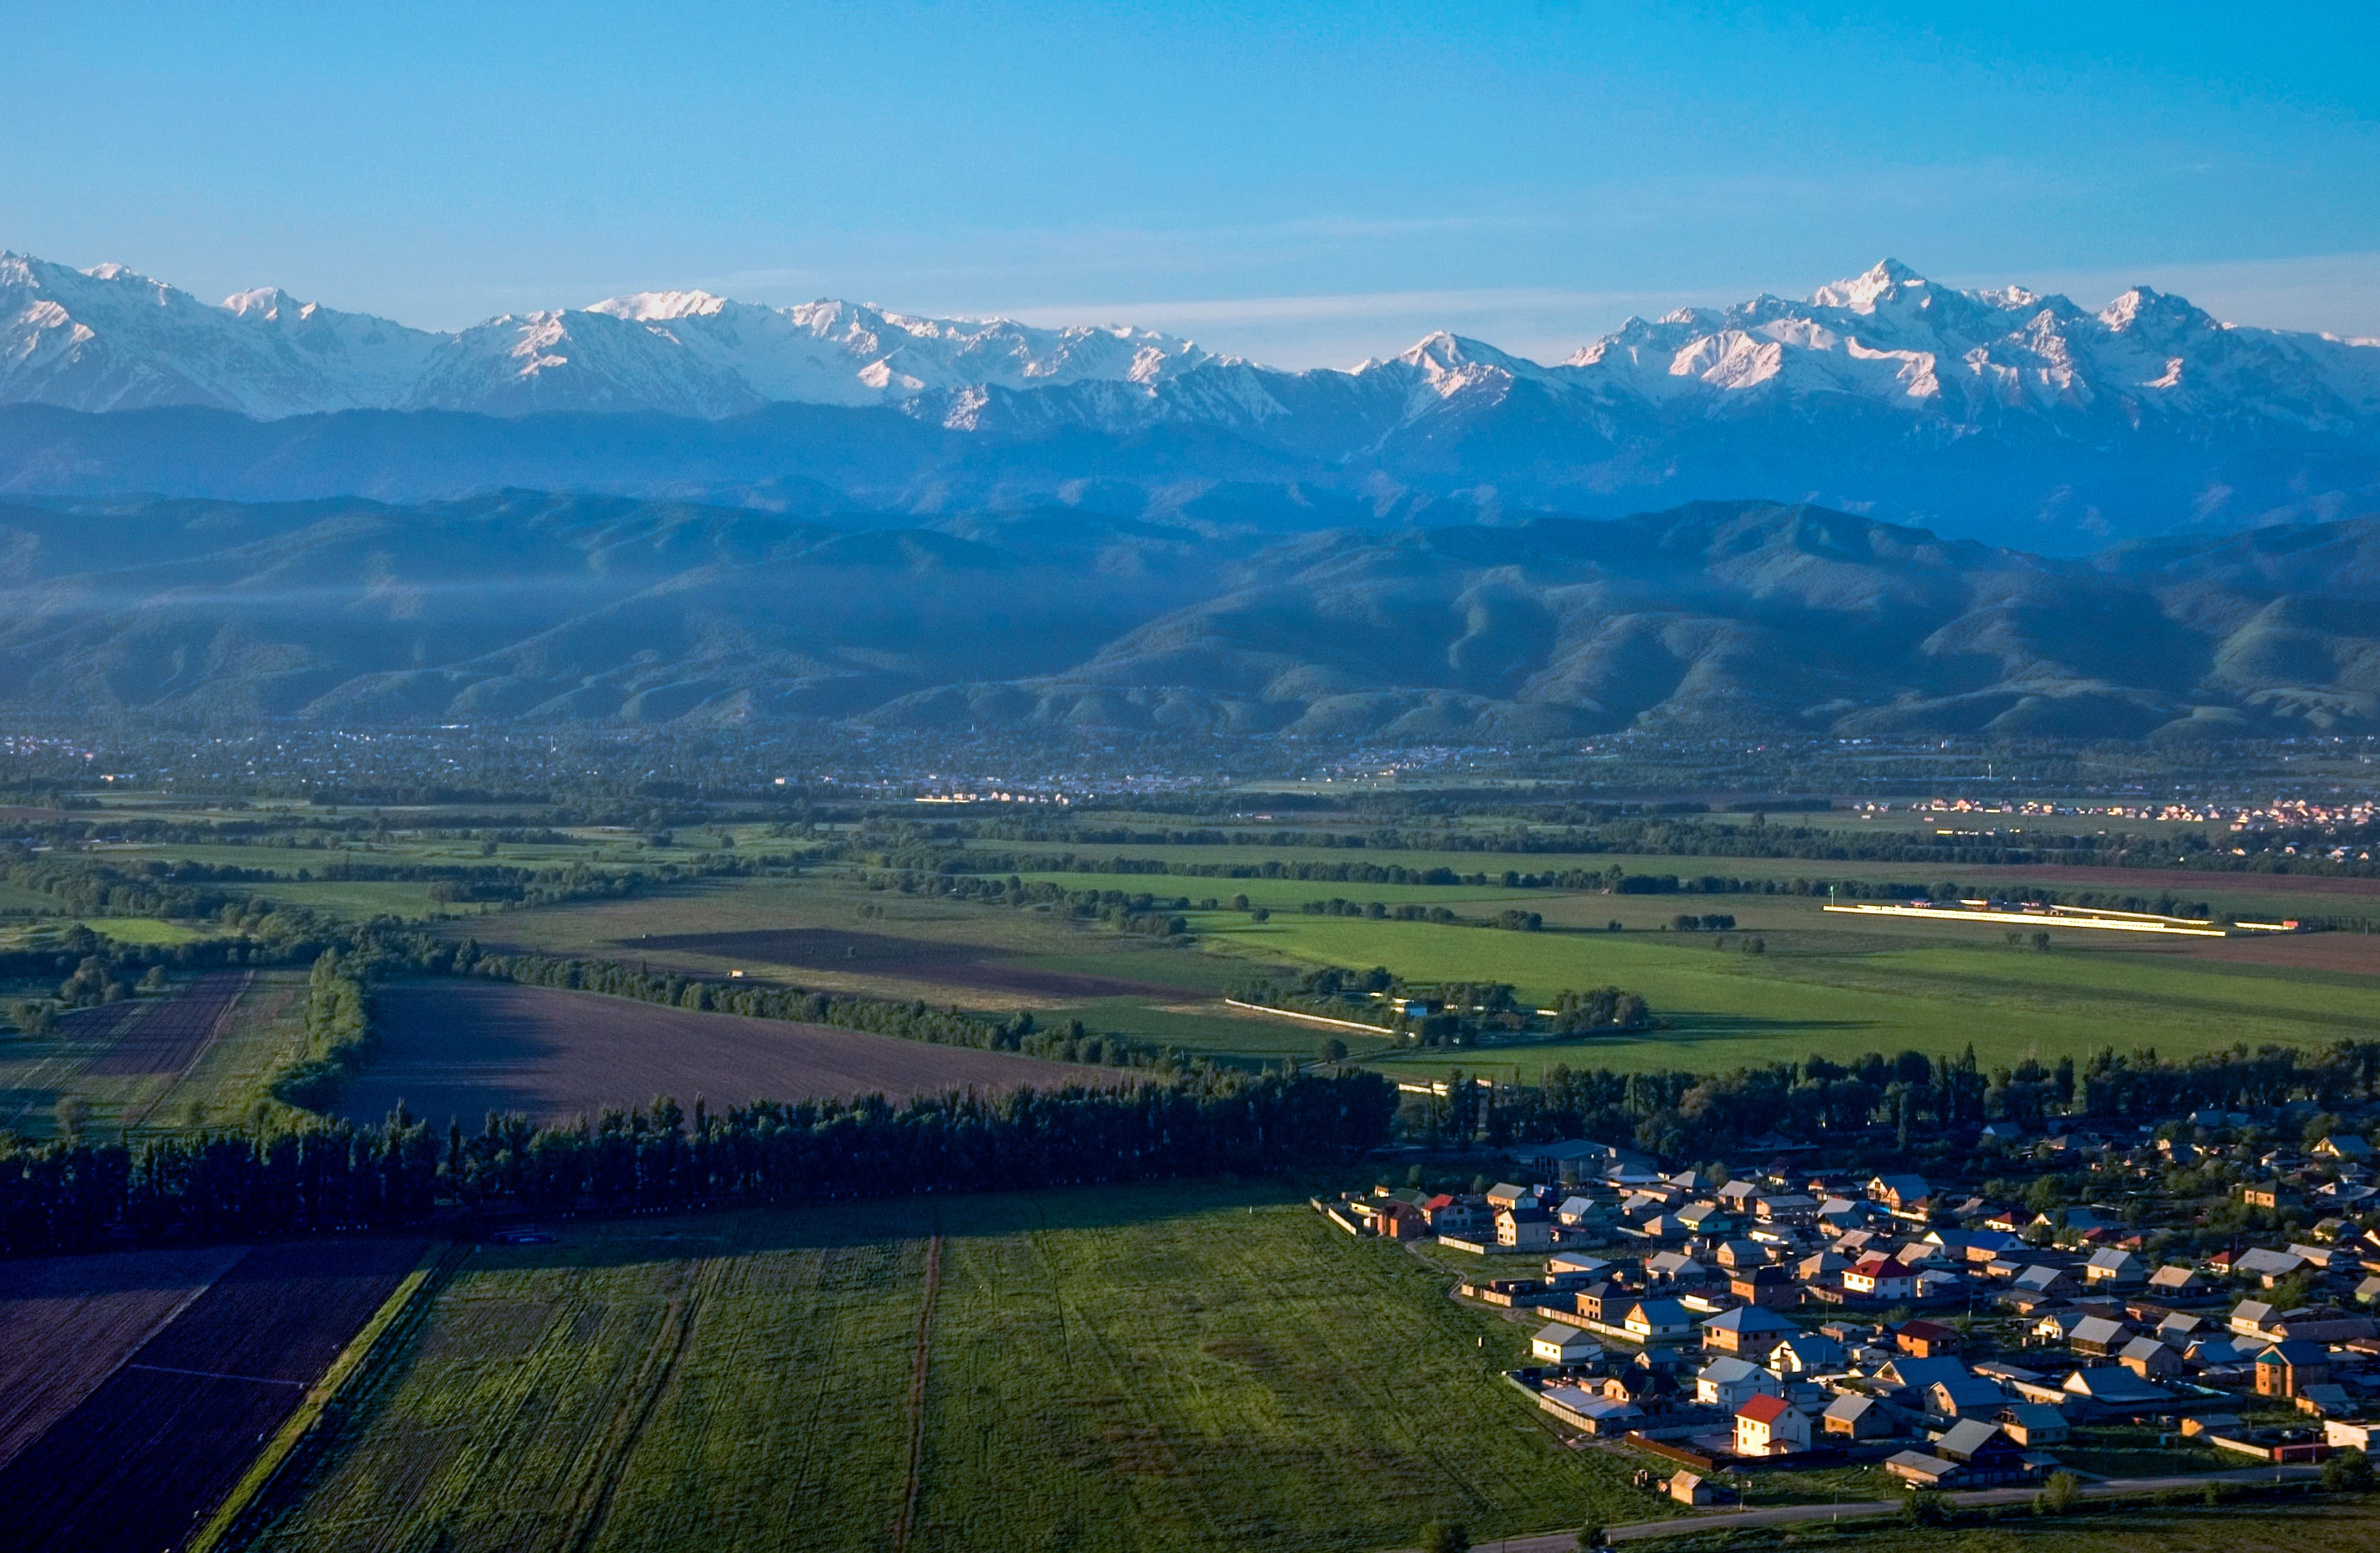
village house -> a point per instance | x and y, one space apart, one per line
1964 1396
1458 1218
1879 1279
2268 1266
1927 1339
2113 1390
1854 1416
2098 1337
1771 1288
1904 1197
1988 1454
1657 1321
1558 1344
1808 1353
1591 1411
1747 1329
1920 1469
1504 1195
2113 1269
2173 1281
2032 1424
2150 1359
1525 1228
1728 1382
2285 1369
1769 1426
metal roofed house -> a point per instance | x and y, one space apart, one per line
1730 1382
1905 1195
1927 1340
2111 1389
2032 1424
1590 1411
1903 1374
1657 1321
1985 1451
2098 1337
1746 1330
2344 1145
1964 1396
1856 1416
1525 1228
1574 1269
2111 1269
1769 1426
2175 1281
1559 1344
1879 1279
1921 1470
1808 1353
2268 1266
2285 1369
2149 1359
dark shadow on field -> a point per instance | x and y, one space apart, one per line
831 1225
104 1272
456 1050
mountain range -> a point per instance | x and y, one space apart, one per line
2019 418
1713 618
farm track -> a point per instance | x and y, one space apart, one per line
153 1448
652 1381
918 1366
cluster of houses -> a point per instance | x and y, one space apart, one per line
1797 1315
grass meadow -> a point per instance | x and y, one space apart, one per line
1196 1366
1729 1008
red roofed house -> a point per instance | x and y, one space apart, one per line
1880 1278
1771 1427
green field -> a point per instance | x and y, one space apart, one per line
1150 1368
1729 1008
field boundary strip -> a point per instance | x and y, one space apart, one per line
411 1299
919 1362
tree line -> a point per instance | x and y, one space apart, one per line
60 1197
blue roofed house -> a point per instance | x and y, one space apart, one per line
1747 1329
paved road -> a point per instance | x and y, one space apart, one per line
1567 1542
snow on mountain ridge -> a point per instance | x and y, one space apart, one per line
109 338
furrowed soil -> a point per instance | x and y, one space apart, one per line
168 1036
188 1059
66 1323
459 1050
148 1453
1191 1366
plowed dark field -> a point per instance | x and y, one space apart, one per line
167 1035
140 1463
971 966
460 1050
66 1322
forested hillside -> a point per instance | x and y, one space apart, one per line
1737 617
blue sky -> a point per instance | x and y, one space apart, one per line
1304 183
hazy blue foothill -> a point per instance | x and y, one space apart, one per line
1714 618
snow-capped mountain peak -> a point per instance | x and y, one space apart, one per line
1937 362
